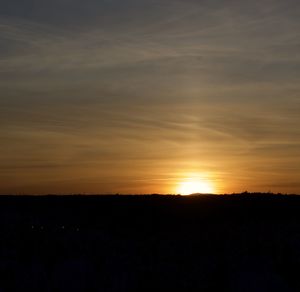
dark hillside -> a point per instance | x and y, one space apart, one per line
147 243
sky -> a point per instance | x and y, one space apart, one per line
139 96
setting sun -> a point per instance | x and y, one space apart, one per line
195 186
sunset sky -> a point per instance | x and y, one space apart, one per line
139 96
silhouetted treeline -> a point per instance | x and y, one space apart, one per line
243 242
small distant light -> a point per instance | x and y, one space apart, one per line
63 227
32 227
42 227
77 229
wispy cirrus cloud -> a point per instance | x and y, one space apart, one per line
130 90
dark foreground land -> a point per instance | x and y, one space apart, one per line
150 243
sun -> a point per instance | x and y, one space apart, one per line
195 186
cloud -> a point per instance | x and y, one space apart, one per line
223 39
147 87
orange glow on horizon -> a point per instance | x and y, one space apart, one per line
194 185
